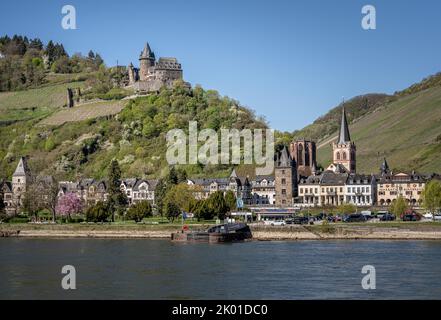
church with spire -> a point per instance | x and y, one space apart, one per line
154 74
343 149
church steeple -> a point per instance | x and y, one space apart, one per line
343 149
384 169
344 135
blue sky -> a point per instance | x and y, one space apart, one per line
291 61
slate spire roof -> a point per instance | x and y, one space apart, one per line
285 159
22 168
384 169
344 136
147 52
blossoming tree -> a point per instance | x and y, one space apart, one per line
69 204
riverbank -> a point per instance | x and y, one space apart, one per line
373 231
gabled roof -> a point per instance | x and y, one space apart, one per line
360 179
153 183
85 183
129 182
6 186
331 178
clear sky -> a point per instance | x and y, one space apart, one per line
291 61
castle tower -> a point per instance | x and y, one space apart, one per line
146 60
285 174
303 152
344 150
20 179
131 74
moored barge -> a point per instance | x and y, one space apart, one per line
229 232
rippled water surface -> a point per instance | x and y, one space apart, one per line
159 269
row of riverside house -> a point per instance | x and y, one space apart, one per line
296 182
90 191
340 183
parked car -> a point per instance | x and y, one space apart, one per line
387 217
278 223
428 216
355 217
380 214
411 216
300 220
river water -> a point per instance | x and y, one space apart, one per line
159 269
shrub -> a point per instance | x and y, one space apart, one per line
139 211
98 213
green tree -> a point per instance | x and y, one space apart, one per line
399 206
347 208
117 199
217 204
172 210
230 200
203 210
139 211
182 195
431 196
98 212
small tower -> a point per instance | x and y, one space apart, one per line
344 150
146 60
20 179
131 74
285 174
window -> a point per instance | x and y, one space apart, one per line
344 155
301 190
283 181
284 191
341 189
338 156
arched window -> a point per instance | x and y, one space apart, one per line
338 156
344 155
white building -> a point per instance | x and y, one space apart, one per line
263 190
361 190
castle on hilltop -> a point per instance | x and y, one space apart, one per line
154 74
